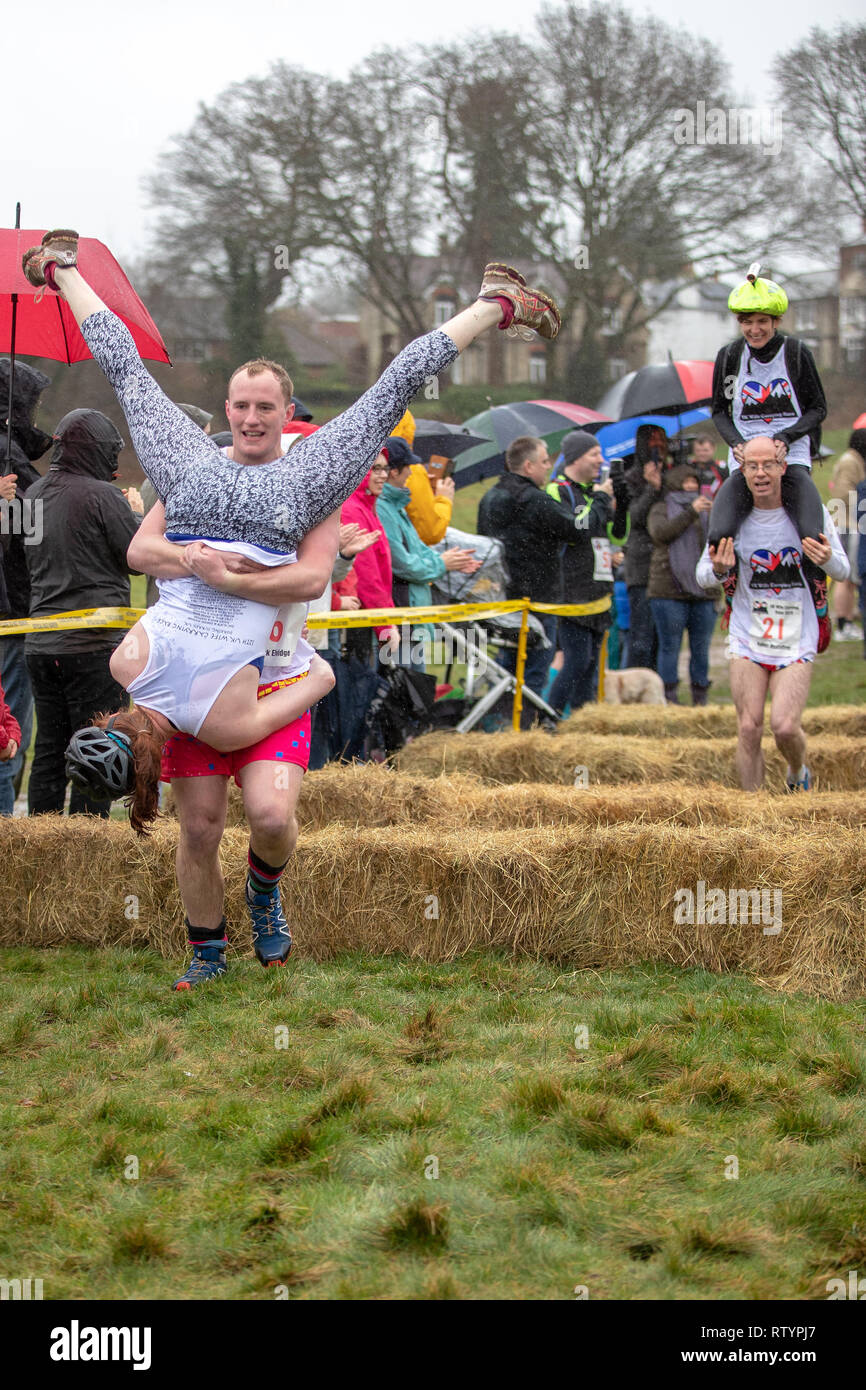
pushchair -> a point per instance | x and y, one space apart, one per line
469 641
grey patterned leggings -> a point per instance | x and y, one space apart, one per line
208 496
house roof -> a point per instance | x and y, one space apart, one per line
816 284
190 316
307 349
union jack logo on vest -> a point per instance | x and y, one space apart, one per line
776 570
776 398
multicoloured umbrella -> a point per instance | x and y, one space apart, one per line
548 420
665 389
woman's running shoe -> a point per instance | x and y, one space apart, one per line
207 963
533 309
59 247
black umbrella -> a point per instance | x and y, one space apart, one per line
448 441
482 461
665 389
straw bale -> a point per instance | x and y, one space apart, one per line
838 763
588 897
366 795
374 797
709 721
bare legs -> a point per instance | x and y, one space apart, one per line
82 300
238 719
789 690
470 323
749 685
201 807
270 793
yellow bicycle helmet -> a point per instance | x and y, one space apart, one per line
756 296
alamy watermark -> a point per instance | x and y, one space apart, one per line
437 651
20 1289
703 906
854 1288
22 516
739 125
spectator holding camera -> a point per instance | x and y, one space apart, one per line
678 527
644 480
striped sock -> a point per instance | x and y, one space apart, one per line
262 877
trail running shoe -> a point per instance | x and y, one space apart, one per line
59 247
207 962
801 784
272 939
532 308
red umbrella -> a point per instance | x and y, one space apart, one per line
48 329
860 422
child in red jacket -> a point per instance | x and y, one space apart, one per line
370 577
10 731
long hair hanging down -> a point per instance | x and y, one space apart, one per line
147 746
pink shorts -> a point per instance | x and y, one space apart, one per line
185 756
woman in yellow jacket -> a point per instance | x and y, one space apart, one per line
429 511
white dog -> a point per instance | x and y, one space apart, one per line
636 686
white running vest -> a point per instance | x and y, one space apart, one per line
765 402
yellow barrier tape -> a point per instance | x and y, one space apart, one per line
76 618
573 610
453 613
80 618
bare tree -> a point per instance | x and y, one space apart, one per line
240 192
823 85
571 151
637 193
373 202
480 106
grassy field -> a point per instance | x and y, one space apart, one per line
280 1134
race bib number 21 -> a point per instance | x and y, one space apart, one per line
775 627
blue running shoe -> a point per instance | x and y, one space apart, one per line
207 962
800 784
272 940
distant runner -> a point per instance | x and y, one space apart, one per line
773 633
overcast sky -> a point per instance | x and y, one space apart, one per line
105 95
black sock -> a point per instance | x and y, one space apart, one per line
206 936
262 877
